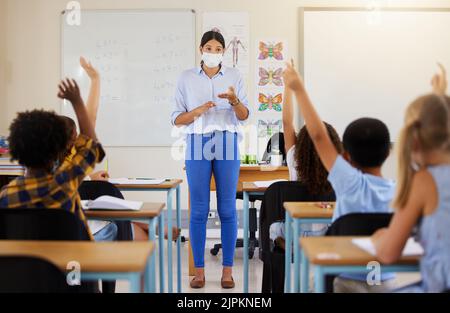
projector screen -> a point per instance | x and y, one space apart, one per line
358 63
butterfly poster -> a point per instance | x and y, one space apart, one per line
270 77
270 102
269 50
269 127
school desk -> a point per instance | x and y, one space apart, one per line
336 255
98 260
297 215
170 187
248 173
148 214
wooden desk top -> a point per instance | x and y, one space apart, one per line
165 185
149 210
263 168
308 210
92 256
250 186
341 251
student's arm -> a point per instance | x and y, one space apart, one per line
288 120
70 91
94 92
389 242
439 81
316 128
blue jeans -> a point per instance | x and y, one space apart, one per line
108 233
216 153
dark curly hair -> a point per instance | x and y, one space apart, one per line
310 169
37 138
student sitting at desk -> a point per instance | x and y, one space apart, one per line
140 230
356 175
37 139
304 165
423 194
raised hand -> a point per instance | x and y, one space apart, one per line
69 90
89 69
291 77
439 81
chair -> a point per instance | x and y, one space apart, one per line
91 190
356 224
34 275
272 210
277 140
43 224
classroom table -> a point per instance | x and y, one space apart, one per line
169 186
298 214
148 214
336 255
98 260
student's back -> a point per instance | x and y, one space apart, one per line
435 235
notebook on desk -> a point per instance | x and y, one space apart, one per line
111 203
136 181
412 247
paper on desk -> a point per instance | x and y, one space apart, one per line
128 181
112 203
412 247
267 183
96 226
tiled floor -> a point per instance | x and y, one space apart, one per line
213 270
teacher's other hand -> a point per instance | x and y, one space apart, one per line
205 107
230 95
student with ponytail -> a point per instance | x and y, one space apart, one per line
423 194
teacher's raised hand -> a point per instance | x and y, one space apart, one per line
230 95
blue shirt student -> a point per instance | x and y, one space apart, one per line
195 88
358 192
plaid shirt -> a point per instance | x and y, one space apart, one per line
58 190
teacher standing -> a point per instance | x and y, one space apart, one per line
211 102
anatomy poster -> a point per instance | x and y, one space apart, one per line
234 26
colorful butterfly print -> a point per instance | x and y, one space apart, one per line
266 127
269 102
270 76
270 50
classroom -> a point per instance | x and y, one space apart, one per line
207 146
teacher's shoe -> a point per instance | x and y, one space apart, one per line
197 284
227 284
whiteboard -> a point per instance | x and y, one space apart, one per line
140 55
358 63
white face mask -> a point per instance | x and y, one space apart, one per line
212 60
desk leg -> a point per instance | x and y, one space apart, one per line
287 253
169 242
178 241
304 268
319 279
135 282
150 273
161 251
296 255
245 237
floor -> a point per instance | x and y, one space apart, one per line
213 270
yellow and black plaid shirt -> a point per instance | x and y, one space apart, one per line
58 190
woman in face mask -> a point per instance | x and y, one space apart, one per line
211 103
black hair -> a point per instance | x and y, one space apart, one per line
37 138
367 141
212 35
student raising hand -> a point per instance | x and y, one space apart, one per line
93 101
439 81
89 69
69 90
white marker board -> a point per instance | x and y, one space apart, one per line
140 55
358 63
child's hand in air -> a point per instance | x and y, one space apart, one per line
439 81
69 90
89 69
291 78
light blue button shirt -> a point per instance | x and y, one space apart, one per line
195 88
